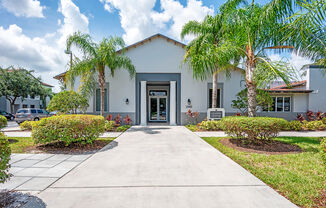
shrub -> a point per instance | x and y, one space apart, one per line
293 126
123 128
192 117
323 149
210 125
117 120
68 102
4 158
127 120
27 125
68 129
324 120
109 125
3 122
313 125
252 127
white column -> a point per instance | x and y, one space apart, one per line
173 103
143 110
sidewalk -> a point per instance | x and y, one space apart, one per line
161 167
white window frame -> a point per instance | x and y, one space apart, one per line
275 110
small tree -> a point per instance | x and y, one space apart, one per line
241 102
4 153
68 102
15 83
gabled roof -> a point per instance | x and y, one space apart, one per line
158 35
149 39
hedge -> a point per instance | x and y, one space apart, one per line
4 158
27 125
313 125
3 122
323 149
252 127
210 125
68 129
109 125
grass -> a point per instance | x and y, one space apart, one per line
20 144
299 177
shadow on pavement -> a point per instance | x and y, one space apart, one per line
13 199
149 130
111 145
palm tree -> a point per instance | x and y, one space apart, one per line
210 52
306 30
252 30
96 58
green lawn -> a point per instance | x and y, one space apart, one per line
20 144
299 177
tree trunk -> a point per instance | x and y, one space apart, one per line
252 91
12 108
214 91
12 104
101 80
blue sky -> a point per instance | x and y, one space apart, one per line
33 32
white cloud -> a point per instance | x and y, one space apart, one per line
295 61
139 19
73 20
24 8
45 54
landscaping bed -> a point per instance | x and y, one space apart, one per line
26 145
261 146
300 177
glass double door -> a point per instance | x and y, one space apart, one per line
157 108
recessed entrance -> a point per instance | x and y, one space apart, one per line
158 103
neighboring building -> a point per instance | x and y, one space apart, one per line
164 88
29 102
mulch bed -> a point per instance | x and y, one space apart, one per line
270 147
74 148
321 200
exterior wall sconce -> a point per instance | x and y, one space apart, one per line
127 101
189 101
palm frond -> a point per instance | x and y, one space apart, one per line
83 42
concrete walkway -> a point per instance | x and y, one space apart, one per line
160 167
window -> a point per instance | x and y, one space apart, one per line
280 104
98 100
22 111
25 106
218 99
32 106
40 111
32 96
33 111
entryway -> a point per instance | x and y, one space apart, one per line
158 96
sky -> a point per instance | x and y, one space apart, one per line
33 32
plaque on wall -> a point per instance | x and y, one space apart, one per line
215 113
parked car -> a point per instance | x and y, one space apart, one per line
30 114
9 116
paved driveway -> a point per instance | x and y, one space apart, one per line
160 167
